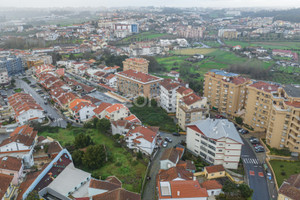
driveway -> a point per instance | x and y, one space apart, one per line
52 112
150 187
255 173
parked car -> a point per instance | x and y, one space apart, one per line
254 140
220 117
259 150
176 134
165 144
168 139
244 131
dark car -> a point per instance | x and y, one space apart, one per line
168 139
259 150
176 134
244 132
220 117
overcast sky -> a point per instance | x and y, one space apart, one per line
173 3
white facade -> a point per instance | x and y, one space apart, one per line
144 146
168 99
216 147
214 192
28 115
120 113
112 82
85 113
167 164
4 79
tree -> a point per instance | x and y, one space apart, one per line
139 155
95 121
94 157
239 120
103 125
153 64
72 57
34 195
245 190
153 103
77 156
229 187
140 100
82 141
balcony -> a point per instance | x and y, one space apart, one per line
191 110
293 136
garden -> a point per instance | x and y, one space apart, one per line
284 169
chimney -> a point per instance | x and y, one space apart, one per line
178 193
194 178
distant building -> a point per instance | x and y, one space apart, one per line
4 78
228 33
137 64
215 140
14 65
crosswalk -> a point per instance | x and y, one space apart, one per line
251 161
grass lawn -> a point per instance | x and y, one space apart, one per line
213 44
189 51
285 78
283 169
154 116
124 166
18 90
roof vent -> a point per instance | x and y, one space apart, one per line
5 158
178 193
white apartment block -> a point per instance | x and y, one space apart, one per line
215 140
168 95
4 79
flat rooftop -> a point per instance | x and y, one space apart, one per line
292 90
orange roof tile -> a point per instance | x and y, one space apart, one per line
214 168
115 107
211 185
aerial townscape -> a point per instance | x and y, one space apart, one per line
149 102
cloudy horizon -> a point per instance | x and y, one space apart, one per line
159 3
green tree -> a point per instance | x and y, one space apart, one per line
77 156
140 100
229 187
82 140
103 125
239 120
95 121
94 157
139 155
34 195
72 57
245 190
153 103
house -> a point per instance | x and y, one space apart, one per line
116 111
12 166
214 171
141 138
25 108
100 110
212 187
174 74
117 194
185 190
82 110
188 165
111 80
181 92
174 174
20 144
290 189
168 89
121 127
170 158
215 140
237 47
6 187
132 118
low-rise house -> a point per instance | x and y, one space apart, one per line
174 74
290 188
20 144
100 110
214 171
6 187
174 174
25 108
132 118
111 80
215 140
121 127
212 187
116 111
191 108
12 166
82 110
170 158
141 138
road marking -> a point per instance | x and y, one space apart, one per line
251 173
251 161
260 174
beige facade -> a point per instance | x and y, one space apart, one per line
133 84
137 64
181 92
191 108
225 91
284 123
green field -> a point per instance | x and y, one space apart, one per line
267 45
189 51
284 169
213 44
130 172
144 36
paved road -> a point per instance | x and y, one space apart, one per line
150 187
253 168
52 112
103 97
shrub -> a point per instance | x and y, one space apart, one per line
283 173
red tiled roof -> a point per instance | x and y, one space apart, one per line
139 60
291 187
21 102
214 168
295 104
132 118
25 130
146 132
104 185
10 163
101 107
25 184
190 99
138 76
4 183
184 91
115 107
169 84
117 194
267 87
211 185
174 173
237 80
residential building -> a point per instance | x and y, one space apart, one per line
181 92
225 92
133 84
82 110
212 187
12 166
136 64
289 189
4 78
141 138
228 33
284 121
6 187
170 158
20 144
191 108
100 110
25 108
258 104
214 171
215 140
121 127
111 80
14 65
168 93
116 111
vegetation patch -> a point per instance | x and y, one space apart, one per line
284 169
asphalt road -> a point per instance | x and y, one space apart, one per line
254 171
150 187
52 112
103 97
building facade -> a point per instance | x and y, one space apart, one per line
133 84
225 92
137 64
4 78
168 95
14 65
215 140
